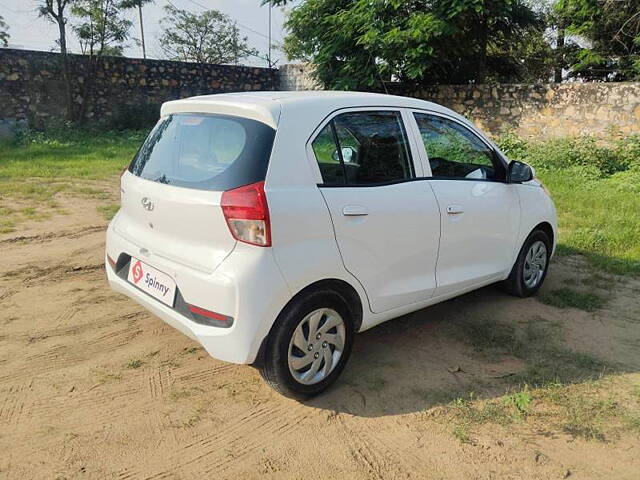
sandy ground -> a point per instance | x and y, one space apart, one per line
72 405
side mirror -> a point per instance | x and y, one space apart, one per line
519 172
348 155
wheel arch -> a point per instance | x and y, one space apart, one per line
546 228
341 287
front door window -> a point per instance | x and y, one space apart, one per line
456 152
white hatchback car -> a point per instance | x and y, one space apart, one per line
271 227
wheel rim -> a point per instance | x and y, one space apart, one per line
535 263
316 346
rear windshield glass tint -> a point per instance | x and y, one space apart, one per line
205 152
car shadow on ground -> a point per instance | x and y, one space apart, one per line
485 342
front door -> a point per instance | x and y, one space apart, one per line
480 212
386 222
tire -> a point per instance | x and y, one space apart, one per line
520 283
281 349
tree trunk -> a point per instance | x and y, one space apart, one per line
481 73
66 74
87 88
559 57
94 60
144 50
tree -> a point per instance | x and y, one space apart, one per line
208 37
545 55
559 62
55 11
101 29
138 4
611 31
4 35
359 44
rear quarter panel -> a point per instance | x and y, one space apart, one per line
303 238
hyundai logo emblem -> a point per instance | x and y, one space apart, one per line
147 204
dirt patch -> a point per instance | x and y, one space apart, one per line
91 385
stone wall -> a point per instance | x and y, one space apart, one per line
297 76
32 87
529 110
548 110
32 90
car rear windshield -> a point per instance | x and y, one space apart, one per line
205 152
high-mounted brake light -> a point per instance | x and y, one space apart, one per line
247 214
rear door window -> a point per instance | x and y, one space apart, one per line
205 152
370 148
325 150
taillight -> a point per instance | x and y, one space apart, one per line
247 214
207 317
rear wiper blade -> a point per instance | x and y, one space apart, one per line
162 179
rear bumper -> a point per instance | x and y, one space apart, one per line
247 286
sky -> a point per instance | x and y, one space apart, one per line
30 32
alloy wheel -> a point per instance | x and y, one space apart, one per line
316 346
535 263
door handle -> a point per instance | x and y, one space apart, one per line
354 211
455 209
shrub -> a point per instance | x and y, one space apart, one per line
513 146
628 180
628 149
598 157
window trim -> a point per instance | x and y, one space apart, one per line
415 179
424 156
336 140
415 160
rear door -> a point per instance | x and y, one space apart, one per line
386 222
480 211
171 193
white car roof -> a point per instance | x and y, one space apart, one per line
267 107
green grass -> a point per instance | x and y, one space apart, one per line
567 297
76 154
520 402
598 218
135 364
538 342
565 390
469 413
108 211
595 185
7 222
588 411
39 166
